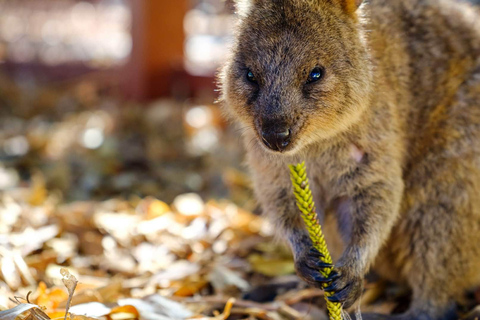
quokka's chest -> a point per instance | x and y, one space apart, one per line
335 174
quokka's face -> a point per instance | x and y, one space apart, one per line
299 73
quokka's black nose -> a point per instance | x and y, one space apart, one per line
276 138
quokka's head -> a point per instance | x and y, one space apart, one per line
299 71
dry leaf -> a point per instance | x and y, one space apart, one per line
222 277
10 273
158 307
26 310
91 309
124 312
271 267
153 208
189 286
224 315
50 299
38 192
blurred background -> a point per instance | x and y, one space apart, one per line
115 160
108 97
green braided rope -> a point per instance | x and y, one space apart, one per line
303 195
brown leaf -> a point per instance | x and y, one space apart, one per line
271 267
38 192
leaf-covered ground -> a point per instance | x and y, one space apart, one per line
147 207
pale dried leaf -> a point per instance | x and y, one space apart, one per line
23 268
24 309
10 273
221 277
157 307
91 309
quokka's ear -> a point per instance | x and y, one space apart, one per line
350 6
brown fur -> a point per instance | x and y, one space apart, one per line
390 135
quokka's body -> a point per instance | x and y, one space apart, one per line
382 101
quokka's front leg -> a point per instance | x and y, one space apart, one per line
274 191
375 198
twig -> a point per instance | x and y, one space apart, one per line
237 303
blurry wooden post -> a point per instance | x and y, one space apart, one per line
157 54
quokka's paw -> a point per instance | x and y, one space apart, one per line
346 286
308 266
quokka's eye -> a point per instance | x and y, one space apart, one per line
315 75
251 77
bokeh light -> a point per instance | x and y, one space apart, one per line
208 29
60 32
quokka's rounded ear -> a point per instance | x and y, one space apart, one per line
350 6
